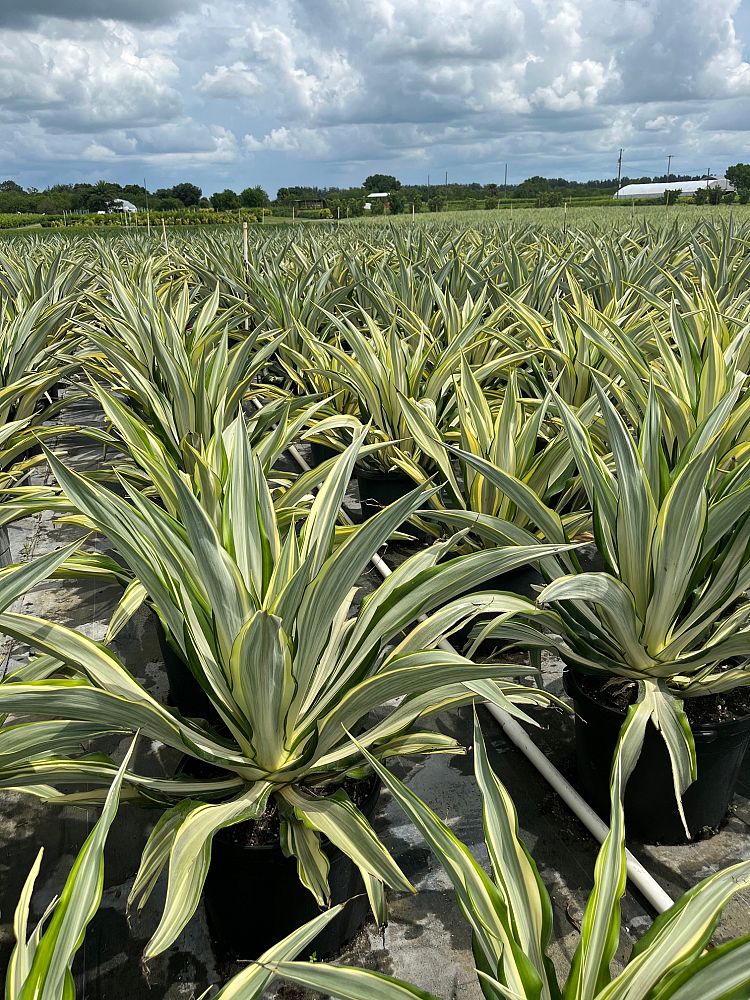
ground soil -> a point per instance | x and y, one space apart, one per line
265 831
706 710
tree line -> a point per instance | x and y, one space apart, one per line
544 191
87 198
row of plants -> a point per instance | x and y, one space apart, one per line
506 398
117 219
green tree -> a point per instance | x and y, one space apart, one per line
254 197
551 199
10 185
100 196
396 203
224 201
532 187
136 193
188 194
671 196
738 175
381 182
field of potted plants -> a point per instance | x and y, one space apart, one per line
551 428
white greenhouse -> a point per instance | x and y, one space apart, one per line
122 205
657 190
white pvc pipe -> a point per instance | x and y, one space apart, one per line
641 878
638 875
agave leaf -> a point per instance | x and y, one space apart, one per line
514 870
636 509
617 609
313 865
338 819
721 974
133 597
678 937
190 856
487 911
600 928
15 581
156 852
48 976
263 686
676 545
346 983
547 520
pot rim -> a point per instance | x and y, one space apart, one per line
577 693
394 475
367 807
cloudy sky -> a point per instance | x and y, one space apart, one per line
239 92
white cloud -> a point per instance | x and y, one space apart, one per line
101 77
661 123
231 82
305 141
553 86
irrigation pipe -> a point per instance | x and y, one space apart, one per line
641 878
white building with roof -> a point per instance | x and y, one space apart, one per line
657 189
121 205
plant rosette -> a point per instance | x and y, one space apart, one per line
263 617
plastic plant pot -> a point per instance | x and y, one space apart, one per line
650 806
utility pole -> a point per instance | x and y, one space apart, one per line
619 169
505 183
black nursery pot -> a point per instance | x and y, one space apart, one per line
254 897
378 489
320 453
185 693
651 814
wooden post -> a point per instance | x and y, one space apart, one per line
164 233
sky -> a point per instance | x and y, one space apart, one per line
233 94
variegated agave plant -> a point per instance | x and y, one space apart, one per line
510 916
264 620
499 456
671 610
383 365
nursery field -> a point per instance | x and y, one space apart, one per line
304 532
